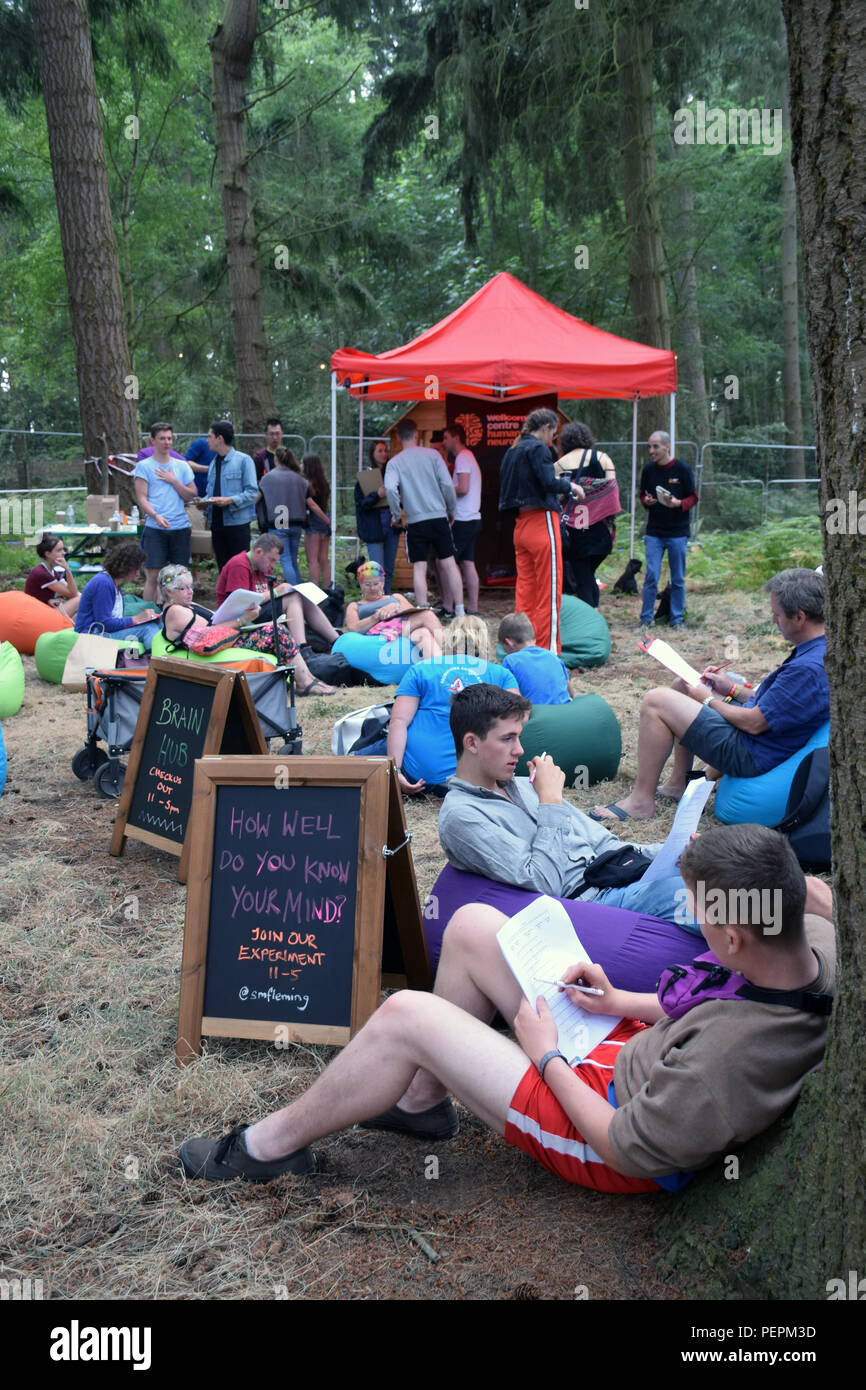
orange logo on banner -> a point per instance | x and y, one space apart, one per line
472 426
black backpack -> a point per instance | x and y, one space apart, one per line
807 814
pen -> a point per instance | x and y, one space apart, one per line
584 989
533 770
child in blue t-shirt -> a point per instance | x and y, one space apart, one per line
540 674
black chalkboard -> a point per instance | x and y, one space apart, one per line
173 739
289 862
281 927
187 710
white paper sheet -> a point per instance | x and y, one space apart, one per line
538 944
235 604
689 811
664 652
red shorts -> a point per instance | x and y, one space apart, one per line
538 1124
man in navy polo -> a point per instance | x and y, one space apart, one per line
667 491
721 721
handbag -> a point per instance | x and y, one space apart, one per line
207 641
600 502
359 724
616 868
90 652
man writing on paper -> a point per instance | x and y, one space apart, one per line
523 833
736 732
649 1105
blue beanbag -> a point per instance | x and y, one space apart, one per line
387 662
762 800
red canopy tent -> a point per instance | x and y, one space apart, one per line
507 342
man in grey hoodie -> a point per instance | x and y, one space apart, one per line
417 480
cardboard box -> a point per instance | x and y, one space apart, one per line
100 509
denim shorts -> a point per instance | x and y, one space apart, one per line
712 738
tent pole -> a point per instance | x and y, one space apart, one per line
673 423
633 476
361 436
333 476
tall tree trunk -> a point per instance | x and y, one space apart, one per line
791 313
231 52
691 359
798 1219
646 257
106 396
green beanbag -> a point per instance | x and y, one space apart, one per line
582 734
230 657
11 680
52 649
585 634
134 604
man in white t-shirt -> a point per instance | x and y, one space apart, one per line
467 515
163 483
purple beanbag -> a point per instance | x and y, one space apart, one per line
632 949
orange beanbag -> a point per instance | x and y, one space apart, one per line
23 619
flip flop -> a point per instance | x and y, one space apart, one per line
312 690
618 814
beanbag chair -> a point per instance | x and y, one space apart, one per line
633 949
134 603
23 619
238 658
385 662
11 680
582 734
585 634
52 649
762 800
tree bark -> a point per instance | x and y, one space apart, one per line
691 359
106 397
646 256
231 53
791 313
798 1217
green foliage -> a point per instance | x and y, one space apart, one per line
747 559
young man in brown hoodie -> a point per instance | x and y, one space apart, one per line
731 1039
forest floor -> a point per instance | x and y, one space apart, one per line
94 1107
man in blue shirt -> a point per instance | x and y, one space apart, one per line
718 720
200 456
230 493
163 486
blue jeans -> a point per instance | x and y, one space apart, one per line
384 552
291 539
656 546
665 898
143 633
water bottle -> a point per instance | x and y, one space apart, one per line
134 517
70 515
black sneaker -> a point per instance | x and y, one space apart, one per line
221 1160
439 1122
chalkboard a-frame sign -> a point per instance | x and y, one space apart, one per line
187 711
292 865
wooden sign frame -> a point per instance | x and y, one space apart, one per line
383 858
228 690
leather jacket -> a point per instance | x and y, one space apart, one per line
527 478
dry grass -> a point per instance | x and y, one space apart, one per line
94 1108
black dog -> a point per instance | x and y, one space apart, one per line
664 608
626 582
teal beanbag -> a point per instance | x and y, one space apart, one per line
11 680
133 604
584 734
762 800
387 662
585 634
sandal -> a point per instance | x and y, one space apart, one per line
316 687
